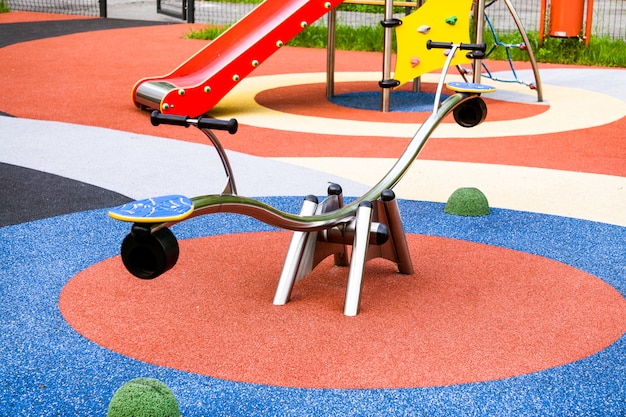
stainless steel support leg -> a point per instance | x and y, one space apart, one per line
341 256
396 249
364 215
302 243
308 249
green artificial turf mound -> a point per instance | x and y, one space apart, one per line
143 397
468 201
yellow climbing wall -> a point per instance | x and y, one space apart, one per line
436 20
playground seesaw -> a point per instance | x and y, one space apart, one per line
371 224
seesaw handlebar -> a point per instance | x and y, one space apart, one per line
157 118
482 47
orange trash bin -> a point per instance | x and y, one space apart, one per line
566 18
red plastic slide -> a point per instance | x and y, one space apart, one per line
199 83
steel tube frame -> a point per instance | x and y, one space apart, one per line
330 53
387 45
529 49
479 17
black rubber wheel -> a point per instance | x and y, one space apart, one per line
149 256
471 113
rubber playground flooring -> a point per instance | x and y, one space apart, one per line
520 312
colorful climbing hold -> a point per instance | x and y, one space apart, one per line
451 20
415 61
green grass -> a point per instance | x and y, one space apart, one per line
4 7
208 33
364 8
600 51
364 38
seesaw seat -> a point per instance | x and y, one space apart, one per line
465 87
168 208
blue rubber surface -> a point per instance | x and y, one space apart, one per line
399 101
48 369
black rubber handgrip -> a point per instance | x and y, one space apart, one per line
482 47
438 45
157 118
463 46
229 125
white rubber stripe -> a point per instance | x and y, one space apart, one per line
580 195
569 109
141 166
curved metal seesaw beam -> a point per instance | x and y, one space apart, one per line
231 203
